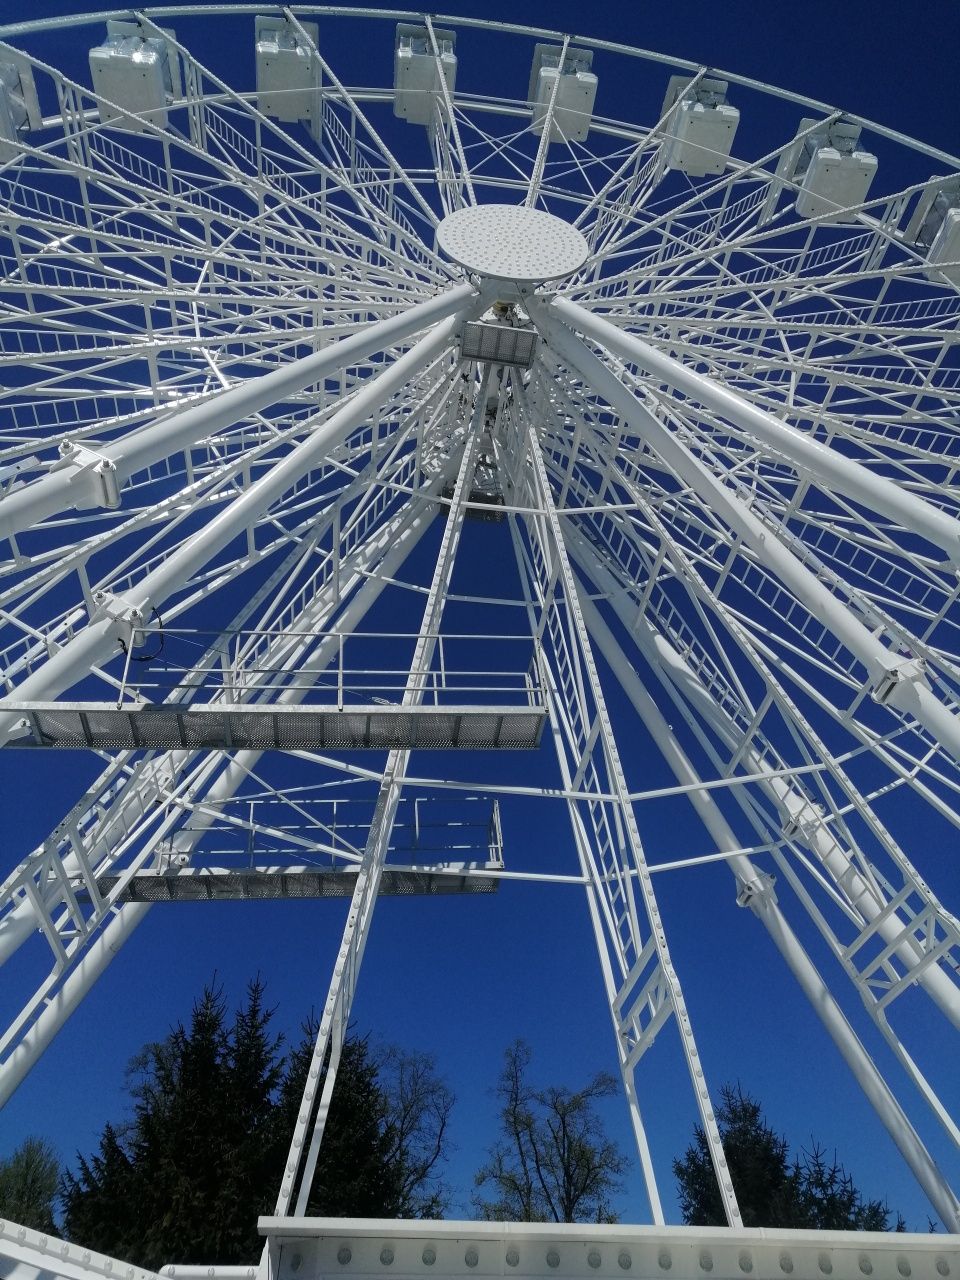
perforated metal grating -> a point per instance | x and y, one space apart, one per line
499 343
102 726
215 884
509 242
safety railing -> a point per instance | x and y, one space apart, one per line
331 669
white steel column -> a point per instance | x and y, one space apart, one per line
73 485
336 1010
103 948
792 804
453 131
909 692
763 903
647 979
546 125
796 809
18 924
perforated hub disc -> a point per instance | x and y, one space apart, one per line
507 242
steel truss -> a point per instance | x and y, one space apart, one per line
242 426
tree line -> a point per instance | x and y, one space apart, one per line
199 1157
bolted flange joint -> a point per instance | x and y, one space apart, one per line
901 672
758 890
130 617
93 481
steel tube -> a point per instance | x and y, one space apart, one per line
98 955
97 642
141 448
913 697
789 800
766 909
102 950
843 474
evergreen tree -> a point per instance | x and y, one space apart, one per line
772 1190
99 1197
28 1185
194 1164
355 1176
829 1200
759 1161
214 1106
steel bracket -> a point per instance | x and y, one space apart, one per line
130 616
756 891
804 823
904 671
94 481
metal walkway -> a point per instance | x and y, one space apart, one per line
106 727
225 884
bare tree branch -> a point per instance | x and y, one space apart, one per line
553 1161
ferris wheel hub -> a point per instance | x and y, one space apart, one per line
510 242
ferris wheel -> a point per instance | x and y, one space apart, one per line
359 426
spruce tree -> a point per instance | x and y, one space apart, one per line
187 1177
200 1158
772 1189
355 1175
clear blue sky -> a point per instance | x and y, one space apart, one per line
464 977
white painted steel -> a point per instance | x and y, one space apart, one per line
910 691
321 1244
757 892
826 465
140 449
97 640
579 1249
639 939
334 1021
56 1000
30 1255
504 242
730 469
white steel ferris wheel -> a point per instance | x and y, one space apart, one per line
295 349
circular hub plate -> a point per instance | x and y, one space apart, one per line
507 242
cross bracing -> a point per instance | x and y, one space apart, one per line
245 436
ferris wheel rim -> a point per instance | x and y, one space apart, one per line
178 9
671 515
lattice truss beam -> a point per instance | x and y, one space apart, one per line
236 426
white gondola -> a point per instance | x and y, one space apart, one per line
570 87
701 125
287 77
136 73
418 69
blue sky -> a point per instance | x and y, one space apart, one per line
464 977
